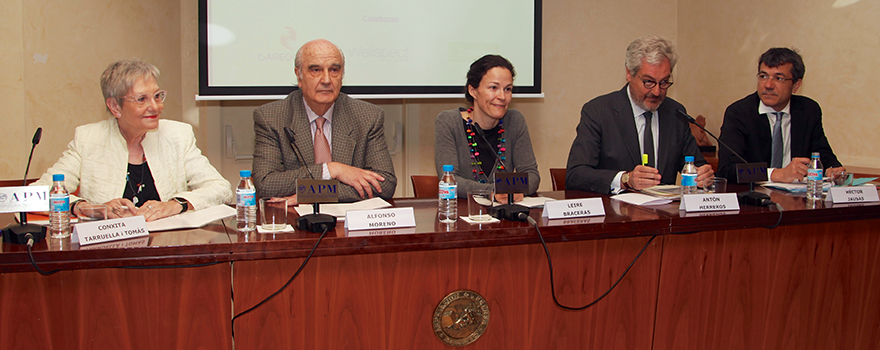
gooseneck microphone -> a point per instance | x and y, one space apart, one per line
315 222
509 211
749 197
22 232
291 137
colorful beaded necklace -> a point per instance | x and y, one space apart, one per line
479 175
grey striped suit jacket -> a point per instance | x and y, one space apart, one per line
358 139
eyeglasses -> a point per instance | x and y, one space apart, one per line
764 77
650 84
142 99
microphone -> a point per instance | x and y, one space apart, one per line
292 139
749 197
315 222
22 232
509 211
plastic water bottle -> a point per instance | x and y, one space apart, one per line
814 177
689 176
448 191
59 208
246 203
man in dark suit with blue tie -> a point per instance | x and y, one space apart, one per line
774 126
606 155
339 137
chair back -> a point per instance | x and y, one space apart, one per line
425 186
558 176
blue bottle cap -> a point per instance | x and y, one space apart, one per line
688 158
448 167
244 173
58 177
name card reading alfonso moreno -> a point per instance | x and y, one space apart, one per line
109 230
379 219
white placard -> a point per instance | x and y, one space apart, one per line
378 219
101 231
709 202
573 208
855 194
24 199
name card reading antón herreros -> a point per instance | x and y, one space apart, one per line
709 202
24 199
316 191
572 208
854 194
379 219
511 183
93 232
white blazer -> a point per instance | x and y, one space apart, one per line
96 162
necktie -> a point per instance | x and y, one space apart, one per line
322 147
776 159
648 139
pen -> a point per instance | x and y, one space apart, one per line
644 159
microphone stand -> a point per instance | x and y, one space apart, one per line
509 211
749 197
20 233
314 222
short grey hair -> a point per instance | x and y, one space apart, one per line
120 76
653 49
297 60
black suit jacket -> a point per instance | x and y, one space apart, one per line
607 142
748 133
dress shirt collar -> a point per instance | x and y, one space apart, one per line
764 109
637 111
312 115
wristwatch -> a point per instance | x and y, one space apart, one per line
624 180
183 203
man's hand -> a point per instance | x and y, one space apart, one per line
643 177
830 172
705 175
795 171
362 180
291 200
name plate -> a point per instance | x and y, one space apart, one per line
511 183
24 199
317 191
573 208
709 202
856 194
379 219
109 230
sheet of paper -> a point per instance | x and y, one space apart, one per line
640 199
338 209
192 219
794 187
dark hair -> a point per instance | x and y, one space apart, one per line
778 56
479 69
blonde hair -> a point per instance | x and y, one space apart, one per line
120 76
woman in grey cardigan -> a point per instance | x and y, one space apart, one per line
487 137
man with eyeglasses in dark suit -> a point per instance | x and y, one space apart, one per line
774 126
616 129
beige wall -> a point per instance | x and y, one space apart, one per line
718 41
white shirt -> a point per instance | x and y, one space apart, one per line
328 131
786 131
638 115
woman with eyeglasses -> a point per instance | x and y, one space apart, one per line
135 162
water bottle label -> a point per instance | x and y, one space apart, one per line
688 179
59 203
814 174
246 197
448 191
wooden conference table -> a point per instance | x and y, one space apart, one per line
708 281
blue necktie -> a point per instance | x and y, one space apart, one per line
776 160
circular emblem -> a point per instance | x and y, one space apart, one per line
461 318
3 197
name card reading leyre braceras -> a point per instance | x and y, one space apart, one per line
379 219
709 202
572 208
855 194
109 230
